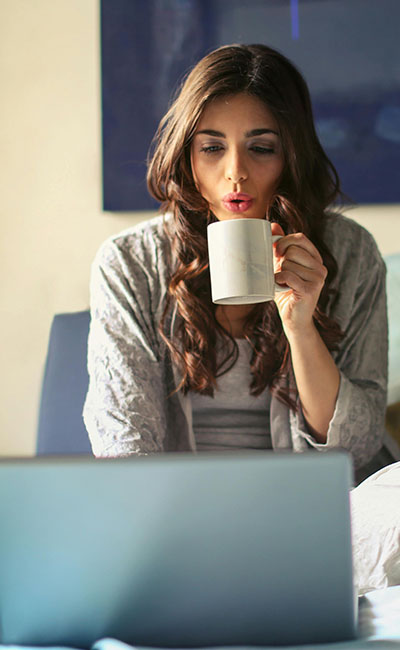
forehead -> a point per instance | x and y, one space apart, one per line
240 110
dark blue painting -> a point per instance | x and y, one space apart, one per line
348 51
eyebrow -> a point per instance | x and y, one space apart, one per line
249 134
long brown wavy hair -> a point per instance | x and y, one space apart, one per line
308 185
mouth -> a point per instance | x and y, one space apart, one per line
237 201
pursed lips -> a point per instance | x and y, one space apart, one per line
237 201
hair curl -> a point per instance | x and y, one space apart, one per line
308 185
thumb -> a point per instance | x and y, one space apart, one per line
276 229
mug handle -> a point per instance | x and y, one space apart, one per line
279 288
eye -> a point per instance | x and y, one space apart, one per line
211 148
262 149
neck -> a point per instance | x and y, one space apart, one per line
233 318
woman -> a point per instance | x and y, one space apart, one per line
171 371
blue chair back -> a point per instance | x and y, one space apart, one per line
61 429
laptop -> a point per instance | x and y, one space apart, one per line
176 550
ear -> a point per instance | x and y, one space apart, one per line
276 229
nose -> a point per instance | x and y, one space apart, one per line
235 170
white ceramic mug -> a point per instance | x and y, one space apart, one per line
241 261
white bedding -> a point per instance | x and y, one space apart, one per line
375 507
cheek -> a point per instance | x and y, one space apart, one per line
279 170
200 177
275 174
199 174
193 168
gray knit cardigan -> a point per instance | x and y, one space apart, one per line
129 408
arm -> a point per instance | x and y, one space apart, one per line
357 421
317 377
124 410
317 380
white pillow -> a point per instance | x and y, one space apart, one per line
375 508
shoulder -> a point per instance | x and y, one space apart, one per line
340 230
352 245
144 245
131 272
359 284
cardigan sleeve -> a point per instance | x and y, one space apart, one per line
357 424
124 411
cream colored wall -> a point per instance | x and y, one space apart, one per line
383 221
50 210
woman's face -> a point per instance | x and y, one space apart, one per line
237 158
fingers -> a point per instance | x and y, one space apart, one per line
276 229
299 242
299 264
300 278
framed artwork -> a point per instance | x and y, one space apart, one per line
348 51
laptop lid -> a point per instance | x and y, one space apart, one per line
176 550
